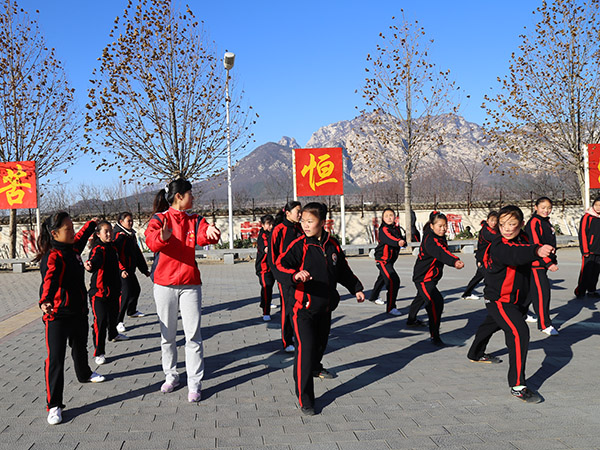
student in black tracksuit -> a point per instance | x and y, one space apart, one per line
489 230
313 265
428 270
539 230
105 289
287 228
265 276
508 268
131 258
386 254
64 304
589 245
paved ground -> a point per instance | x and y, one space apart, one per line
394 389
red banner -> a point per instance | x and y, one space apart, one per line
18 187
319 171
594 163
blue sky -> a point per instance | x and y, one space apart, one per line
301 62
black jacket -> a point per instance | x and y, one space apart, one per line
263 242
106 271
539 230
327 265
388 248
433 254
485 238
281 237
130 255
63 276
589 235
508 268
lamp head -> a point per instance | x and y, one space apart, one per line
228 60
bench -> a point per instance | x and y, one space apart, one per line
17 264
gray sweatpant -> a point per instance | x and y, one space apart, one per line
169 301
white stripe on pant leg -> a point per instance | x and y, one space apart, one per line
190 303
167 307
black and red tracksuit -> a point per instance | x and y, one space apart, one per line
386 254
281 237
313 302
104 292
486 235
589 245
540 231
63 284
263 271
507 274
428 270
131 258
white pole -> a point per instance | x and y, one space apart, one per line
586 172
229 194
343 212
294 174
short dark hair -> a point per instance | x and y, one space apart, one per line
511 211
267 218
542 200
492 214
316 209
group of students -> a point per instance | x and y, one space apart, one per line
114 292
295 250
172 234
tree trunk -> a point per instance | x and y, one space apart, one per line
12 229
581 180
408 207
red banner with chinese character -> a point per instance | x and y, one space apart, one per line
319 171
594 163
18 187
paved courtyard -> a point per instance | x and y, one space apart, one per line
394 389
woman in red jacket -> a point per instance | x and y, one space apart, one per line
173 235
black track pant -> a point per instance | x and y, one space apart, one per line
477 278
588 276
539 296
389 278
105 312
130 293
511 319
60 331
484 333
287 303
428 295
312 333
266 281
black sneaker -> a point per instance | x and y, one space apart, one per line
488 359
324 374
308 410
438 342
527 395
415 323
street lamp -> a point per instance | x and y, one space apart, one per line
228 61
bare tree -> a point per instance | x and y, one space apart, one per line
406 97
157 102
37 112
547 107
56 197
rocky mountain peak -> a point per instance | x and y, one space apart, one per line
286 141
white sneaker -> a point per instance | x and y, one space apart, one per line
471 297
266 318
290 349
379 302
120 337
550 331
96 378
100 359
55 416
121 327
530 319
394 312
137 314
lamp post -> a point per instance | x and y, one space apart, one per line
228 61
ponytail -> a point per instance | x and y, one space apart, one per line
165 197
287 208
44 240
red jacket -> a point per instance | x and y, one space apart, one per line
175 260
